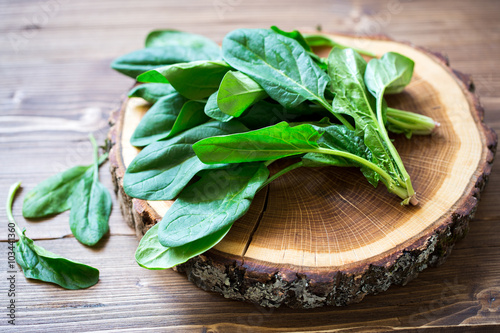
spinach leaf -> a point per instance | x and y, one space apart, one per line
279 64
162 169
389 74
40 264
264 144
194 42
158 121
140 61
52 196
237 92
152 255
211 204
212 109
316 40
193 80
151 92
192 114
90 206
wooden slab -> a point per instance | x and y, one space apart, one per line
325 236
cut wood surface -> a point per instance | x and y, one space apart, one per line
325 236
58 86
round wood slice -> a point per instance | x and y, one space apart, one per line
325 236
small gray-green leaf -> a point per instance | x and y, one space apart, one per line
212 204
237 92
195 42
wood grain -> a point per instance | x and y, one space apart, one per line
62 71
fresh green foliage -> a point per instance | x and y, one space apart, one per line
194 42
213 111
237 92
162 169
192 114
151 254
140 61
52 196
40 264
158 121
90 206
316 40
193 80
211 204
151 92
388 75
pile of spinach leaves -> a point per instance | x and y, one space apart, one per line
221 116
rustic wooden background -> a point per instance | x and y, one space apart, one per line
56 86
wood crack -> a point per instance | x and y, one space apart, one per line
261 215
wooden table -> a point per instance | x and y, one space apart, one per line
57 86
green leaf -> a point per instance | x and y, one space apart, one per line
52 196
237 92
212 109
198 43
389 74
317 40
90 207
162 169
151 92
40 264
192 114
268 143
152 255
294 35
279 64
158 121
193 80
211 204
140 61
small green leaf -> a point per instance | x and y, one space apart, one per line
389 74
162 169
237 92
268 143
40 264
151 92
199 43
211 204
193 80
192 114
152 255
212 109
90 206
140 61
158 121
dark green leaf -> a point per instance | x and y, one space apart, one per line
140 61
192 114
162 169
38 263
151 92
212 109
211 204
268 143
237 92
194 42
152 255
52 196
90 206
158 121
193 80
279 64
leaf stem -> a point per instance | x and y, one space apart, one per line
8 208
96 157
281 173
417 123
337 115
